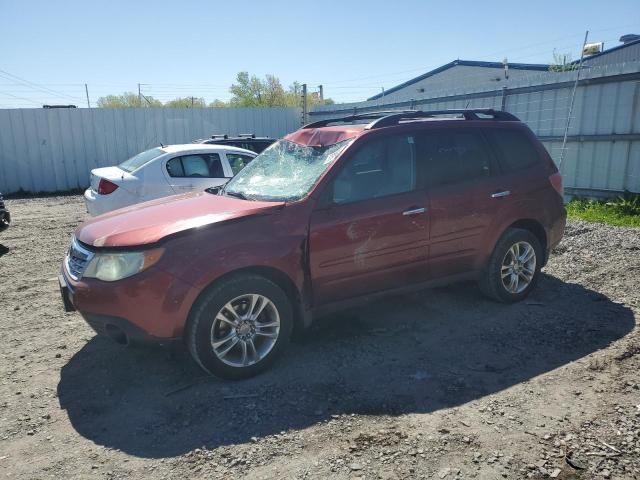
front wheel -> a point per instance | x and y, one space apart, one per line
514 267
237 329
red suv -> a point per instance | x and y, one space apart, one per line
333 214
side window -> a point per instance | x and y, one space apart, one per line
514 149
452 156
382 167
237 161
174 167
206 165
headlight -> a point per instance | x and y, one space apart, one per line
110 267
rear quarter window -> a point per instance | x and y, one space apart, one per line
514 149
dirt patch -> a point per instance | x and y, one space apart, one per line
440 384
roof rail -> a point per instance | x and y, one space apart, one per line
387 118
220 135
468 114
352 118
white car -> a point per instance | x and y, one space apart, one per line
163 171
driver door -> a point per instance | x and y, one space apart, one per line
372 232
195 172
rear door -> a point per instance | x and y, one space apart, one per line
461 177
370 232
195 172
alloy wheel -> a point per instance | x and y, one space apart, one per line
518 267
245 330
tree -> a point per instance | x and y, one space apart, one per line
248 91
186 102
562 63
218 104
127 100
251 91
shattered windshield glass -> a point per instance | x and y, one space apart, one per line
286 171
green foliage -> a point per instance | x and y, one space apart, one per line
218 104
623 211
127 100
562 63
186 102
251 91
248 91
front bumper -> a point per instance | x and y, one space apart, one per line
123 331
151 307
5 219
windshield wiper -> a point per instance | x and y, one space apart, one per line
237 195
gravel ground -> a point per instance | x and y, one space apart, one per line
440 384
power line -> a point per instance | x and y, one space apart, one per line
20 98
10 76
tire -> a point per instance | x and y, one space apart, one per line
501 263
211 321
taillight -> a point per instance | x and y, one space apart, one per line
105 187
556 182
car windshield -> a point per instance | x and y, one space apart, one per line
140 159
285 171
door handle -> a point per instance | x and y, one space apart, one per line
504 193
414 211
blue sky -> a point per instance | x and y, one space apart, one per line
353 48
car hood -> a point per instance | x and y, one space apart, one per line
149 222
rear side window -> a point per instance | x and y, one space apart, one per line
140 159
452 156
514 149
206 165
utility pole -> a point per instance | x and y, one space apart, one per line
573 98
139 96
86 90
191 102
321 92
304 103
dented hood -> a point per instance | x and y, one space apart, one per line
150 222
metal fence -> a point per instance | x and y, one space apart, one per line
54 150
602 154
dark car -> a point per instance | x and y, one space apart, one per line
5 216
247 141
334 214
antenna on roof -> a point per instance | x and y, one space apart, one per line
161 145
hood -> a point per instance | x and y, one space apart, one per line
149 222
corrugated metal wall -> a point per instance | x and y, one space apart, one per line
603 149
54 150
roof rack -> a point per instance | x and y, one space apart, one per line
247 135
388 118
352 118
220 135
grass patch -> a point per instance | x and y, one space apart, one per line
624 211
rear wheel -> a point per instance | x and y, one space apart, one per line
514 266
237 329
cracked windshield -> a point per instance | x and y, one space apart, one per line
286 171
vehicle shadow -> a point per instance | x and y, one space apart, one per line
409 354
3 250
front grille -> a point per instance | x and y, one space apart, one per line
77 259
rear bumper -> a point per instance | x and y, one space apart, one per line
556 232
5 219
96 204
